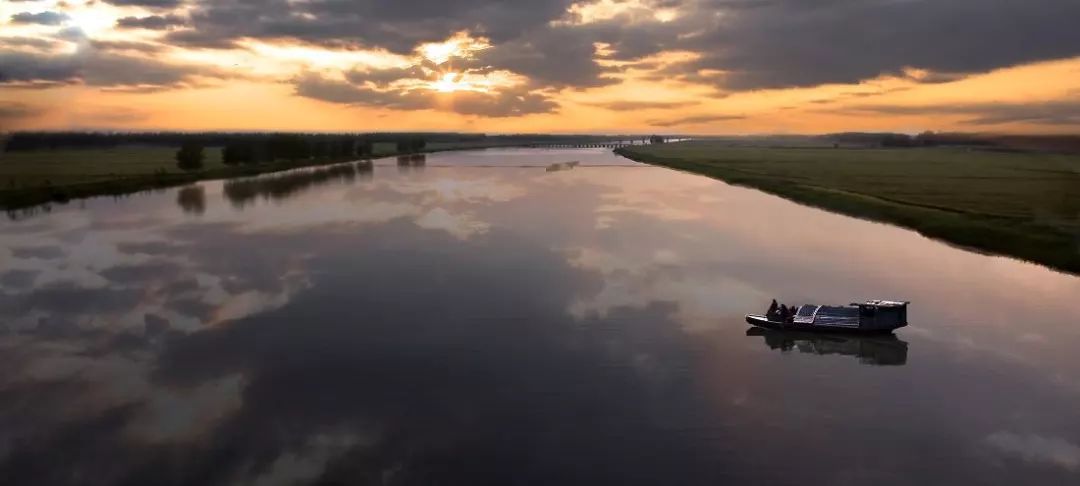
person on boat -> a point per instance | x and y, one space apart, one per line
774 311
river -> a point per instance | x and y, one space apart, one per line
488 317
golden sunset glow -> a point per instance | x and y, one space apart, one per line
461 45
448 83
602 65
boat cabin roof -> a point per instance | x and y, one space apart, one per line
882 303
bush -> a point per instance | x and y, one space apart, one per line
365 148
190 156
411 145
241 153
287 146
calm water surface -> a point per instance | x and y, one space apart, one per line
481 318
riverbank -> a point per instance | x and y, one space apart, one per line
1024 205
30 179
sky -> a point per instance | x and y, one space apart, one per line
514 66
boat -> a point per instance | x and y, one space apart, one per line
871 349
870 317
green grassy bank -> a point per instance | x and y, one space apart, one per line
36 177
1020 204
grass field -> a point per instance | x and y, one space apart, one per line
27 170
36 177
1022 204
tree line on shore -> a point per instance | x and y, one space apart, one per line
1000 142
291 147
28 141
48 140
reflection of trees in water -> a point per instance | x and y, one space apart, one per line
409 163
871 350
365 169
277 187
192 199
23 213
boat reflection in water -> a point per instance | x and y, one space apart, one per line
882 350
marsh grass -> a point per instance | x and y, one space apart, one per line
1021 204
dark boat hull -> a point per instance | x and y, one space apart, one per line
762 321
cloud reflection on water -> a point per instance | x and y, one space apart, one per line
475 325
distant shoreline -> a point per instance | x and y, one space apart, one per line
29 197
823 178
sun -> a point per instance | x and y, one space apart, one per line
439 53
450 82
460 45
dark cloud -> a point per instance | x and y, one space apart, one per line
34 42
100 68
523 39
153 22
742 44
748 44
18 66
397 26
383 77
505 103
114 45
317 87
559 57
693 120
1060 112
200 39
786 43
40 18
146 3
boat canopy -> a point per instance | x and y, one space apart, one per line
882 303
828 315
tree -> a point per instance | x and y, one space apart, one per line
896 140
320 149
287 146
410 145
230 154
364 148
240 153
927 139
190 156
656 139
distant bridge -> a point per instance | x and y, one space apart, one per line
611 144
569 145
